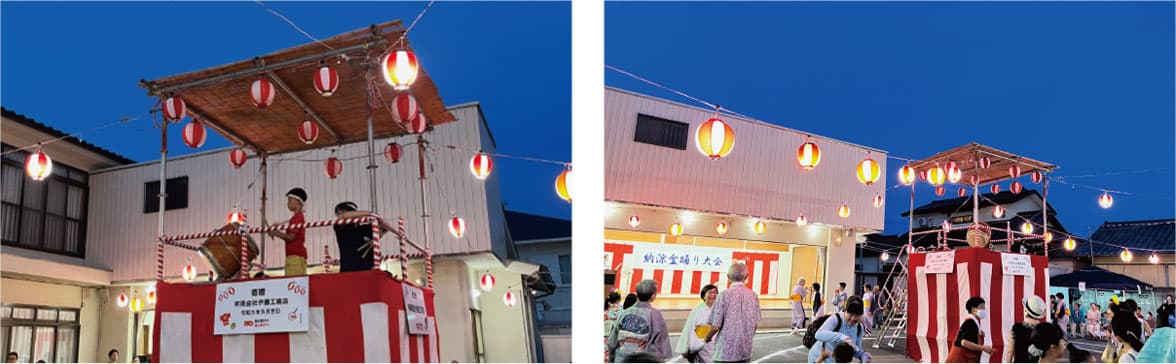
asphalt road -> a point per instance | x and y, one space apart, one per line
782 347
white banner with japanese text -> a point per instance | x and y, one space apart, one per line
414 307
680 257
270 305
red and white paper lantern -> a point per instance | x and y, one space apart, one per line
940 190
174 108
333 167
714 138
418 124
123 300
760 227
457 227
878 201
262 92
237 157
974 179
195 134
1016 187
809 155
1015 171
936 175
404 108
868 171
481 165
984 162
509 299
995 188
843 211
953 172
998 212
801 220
326 81
721 228
189 272
1105 201
962 192
38 165
906 175
563 185
308 132
634 221
1036 176
392 152
400 69
487 281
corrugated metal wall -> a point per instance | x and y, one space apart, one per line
121 237
759 178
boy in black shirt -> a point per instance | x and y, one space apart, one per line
355 252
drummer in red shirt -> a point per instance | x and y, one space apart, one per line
295 238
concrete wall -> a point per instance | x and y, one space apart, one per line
504 329
548 254
88 300
452 287
557 348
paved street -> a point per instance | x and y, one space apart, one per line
781 347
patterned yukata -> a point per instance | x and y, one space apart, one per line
735 315
798 307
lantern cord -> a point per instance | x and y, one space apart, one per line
413 24
1062 180
1058 233
508 156
1119 173
288 21
658 85
123 120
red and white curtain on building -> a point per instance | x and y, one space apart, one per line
685 269
354 317
936 303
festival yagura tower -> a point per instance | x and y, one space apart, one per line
785 201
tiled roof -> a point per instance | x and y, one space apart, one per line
524 226
1136 235
889 242
27 121
949 206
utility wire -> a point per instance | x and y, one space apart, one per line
288 21
123 120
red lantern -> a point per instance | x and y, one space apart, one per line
962 192
843 211
998 212
487 281
940 190
237 217
1105 201
923 176
984 162
634 221
721 227
237 157
194 134
151 297
1015 171
509 299
326 81
906 175
418 124
1016 187
400 69
809 155
174 108
760 227
868 171
38 165
878 201
481 165
123 300
714 138
953 172
308 132
935 175
974 179
404 108
333 167
261 93
1154 258
1036 176
801 220
189 273
457 227
995 188
392 152
562 184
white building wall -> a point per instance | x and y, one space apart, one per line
122 238
759 178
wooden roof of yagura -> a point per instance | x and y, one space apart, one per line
219 96
967 156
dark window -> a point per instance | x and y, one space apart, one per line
40 333
565 269
961 219
658 131
177 195
47 215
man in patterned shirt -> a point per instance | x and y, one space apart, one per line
734 318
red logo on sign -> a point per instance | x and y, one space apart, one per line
248 323
225 319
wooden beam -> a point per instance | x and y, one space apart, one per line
306 108
219 127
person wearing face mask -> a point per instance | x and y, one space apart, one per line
690 343
1048 343
969 342
845 327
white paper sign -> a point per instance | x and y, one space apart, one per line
607 260
679 257
1082 286
414 308
271 305
1015 264
940 263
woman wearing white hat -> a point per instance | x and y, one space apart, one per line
1019 335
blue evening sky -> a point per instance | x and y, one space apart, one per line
1087 86
77 65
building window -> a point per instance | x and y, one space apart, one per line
961 219
661 132
47 215
565 269
40 333
177 195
